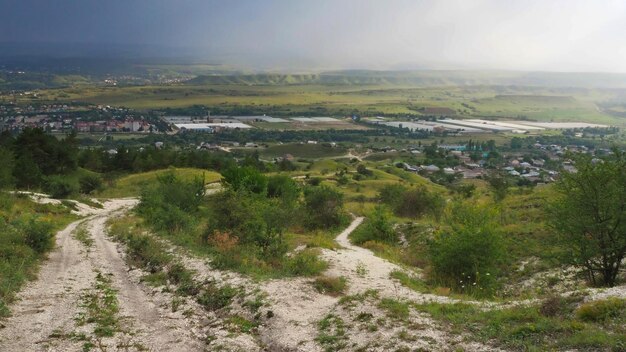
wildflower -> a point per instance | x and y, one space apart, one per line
487 274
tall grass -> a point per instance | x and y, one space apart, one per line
26 235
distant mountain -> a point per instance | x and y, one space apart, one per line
423 78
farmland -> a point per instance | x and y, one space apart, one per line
484 101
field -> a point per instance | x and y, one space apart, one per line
500 102
311 151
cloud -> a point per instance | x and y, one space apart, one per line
561 35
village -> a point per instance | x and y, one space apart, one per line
64 118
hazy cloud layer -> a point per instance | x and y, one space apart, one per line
562 35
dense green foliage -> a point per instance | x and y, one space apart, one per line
377 227
172 203
466 254
412 202
37 155
590 215
323 207
243 227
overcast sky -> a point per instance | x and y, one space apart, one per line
551 35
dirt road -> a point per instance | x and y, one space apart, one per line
45 318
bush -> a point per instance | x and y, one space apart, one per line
245 178
600 311
324 207
214 297
314 181
412 203
305 263
146 253
466 255
59 186
283 187
90 183
362 170
333 286
37 235
377 227
170 204
253 220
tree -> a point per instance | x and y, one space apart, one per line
284 188
590 215
516 143
323 206
245 178
413 202
6 171
499 187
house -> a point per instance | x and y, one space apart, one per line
531 174
476 173
431 168
448 171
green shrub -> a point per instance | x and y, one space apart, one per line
283 187
183 278
377 227
37 235
59 186
245 179
466 255
305 263
599 311
147 253
324 207
170 204
90 183
412 202
214 297
329 285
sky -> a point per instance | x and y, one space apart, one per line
535 35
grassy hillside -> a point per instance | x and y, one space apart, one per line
132 185
308 151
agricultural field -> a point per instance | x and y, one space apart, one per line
534 103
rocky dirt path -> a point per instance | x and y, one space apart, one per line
45 317
298 308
